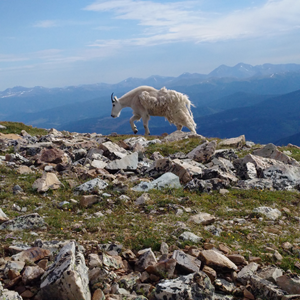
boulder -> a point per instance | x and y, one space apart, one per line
89 200
31 274
265 289
90 186
256 183
9 295
128 162
185 262
46 182
233 142
24 170
165 165
10 136
167 180
289 283
141 141
179 135
112 150
146 258
194 286
216 260
191 237
270 273
13 266
202 219
67 278
3 216
31 255
31 221
268 212
199 185
246 272
271 151
53 155
194 168
204 152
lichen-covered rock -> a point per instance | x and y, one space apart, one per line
90 186
186 262
168 180
128 162
31 221
189 236
8 295
268 212
265 289
195 286
67 278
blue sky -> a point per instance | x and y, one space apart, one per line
60 43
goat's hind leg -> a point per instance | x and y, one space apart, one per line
132 119
146 119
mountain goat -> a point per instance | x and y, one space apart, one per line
146 101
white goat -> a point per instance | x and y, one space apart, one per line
146 101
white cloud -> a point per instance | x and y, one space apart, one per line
11 58
46 24
185 21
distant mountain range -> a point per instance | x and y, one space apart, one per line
262 102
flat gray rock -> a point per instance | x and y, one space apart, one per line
91 186
129 162
31 221
189 236
268 212
195 286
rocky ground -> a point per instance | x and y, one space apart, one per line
86 216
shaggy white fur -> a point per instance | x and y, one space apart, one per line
146 101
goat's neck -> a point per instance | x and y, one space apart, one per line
125 101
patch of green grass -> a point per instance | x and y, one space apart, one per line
16 128
166 149
295 152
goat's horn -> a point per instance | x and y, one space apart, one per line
112 98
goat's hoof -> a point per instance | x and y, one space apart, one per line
136 131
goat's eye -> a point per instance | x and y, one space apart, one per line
113 105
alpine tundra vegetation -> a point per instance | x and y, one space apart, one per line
179 216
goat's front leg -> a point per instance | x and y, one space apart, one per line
132 119
146 119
